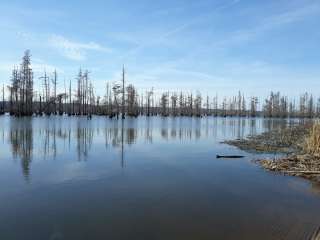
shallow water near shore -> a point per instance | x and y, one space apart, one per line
145 178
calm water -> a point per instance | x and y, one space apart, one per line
145 178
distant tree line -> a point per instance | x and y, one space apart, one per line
121 99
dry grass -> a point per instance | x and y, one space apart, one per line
301 143
286 140
312 144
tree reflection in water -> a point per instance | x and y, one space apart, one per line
21 139
53 136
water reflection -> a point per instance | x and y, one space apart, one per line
84 138
48 137
142 179
21 139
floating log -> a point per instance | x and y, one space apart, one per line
230 156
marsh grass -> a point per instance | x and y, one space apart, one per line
312 143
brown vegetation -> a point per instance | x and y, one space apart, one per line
301 143
312 143
287 140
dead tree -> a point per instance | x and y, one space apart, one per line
79 92
2 111
208 107
164 104
283 107
215 105
181 104
224 107
239 105
253 106
116 91
91 100
85 93
317 113
21 89
190 105
106 100
310 107
27 78
244 107
198 104
60 98
70 99
132 102
46 93
54 82
123 94
149 95
174 99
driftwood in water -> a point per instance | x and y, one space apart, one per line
230 156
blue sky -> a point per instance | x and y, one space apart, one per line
213 46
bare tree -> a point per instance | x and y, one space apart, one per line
174 99
132 102
21 89
164 104
253 106
123 94
198 105
2 111
122 100
46 92
54 82
116 92
149 95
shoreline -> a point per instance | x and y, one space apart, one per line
295 158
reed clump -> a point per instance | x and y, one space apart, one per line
312 143
301 144
303 163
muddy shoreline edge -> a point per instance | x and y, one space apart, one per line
297 146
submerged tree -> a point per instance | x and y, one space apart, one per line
164 104
174 100
149 95
21 89
123 94
198 105
2 110
132 101
54 82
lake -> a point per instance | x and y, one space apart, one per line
145 178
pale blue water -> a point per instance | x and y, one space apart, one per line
144 178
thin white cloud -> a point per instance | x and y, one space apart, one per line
170 76
270 23
180 28
74 50
293 15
